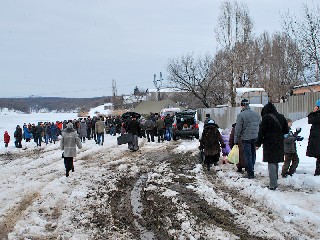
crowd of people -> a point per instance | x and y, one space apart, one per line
272 131
75 132
249 133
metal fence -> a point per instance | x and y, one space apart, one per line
295 108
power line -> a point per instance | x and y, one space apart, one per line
87 90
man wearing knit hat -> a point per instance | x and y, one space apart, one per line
247 128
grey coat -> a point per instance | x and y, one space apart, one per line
69 142
149 125
290 145
247 127
83 130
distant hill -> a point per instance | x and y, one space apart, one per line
36 104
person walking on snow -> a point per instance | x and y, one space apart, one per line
18 136
226 150
160 126
168 121
242 163
271 134
134 128
83 130
291 158
149 126
99 128
26 133
247 128
38 131
69 143
6 138
211 142
313 149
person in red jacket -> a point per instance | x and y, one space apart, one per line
6 138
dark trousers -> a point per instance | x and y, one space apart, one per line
150 133
249 155
161 135
18 144
100 139
68 163
38 139
89 133
291 162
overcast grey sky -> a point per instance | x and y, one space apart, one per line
74 48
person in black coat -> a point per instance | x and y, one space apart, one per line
134 128
18 137
271 134
313 149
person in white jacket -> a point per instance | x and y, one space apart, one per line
69 143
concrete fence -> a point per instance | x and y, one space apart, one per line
295 108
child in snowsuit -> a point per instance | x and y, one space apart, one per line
225 151
6 138
290 151
211 142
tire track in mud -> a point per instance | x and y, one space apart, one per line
113 205
13 216
158 209
10 217
128 211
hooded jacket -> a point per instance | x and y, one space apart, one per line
271 134
69 142
313 149
211 141
6 137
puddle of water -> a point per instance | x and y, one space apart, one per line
137 208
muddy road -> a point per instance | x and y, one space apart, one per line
155 193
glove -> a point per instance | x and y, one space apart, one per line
299 139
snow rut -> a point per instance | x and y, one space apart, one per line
9 221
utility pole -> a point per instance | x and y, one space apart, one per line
158 84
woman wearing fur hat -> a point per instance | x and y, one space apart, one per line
69 143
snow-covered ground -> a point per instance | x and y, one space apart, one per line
159 191
10 120
101 110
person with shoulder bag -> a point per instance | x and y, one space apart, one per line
272 129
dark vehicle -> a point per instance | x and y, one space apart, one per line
131 114
185 125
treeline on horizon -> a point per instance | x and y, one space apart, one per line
58 104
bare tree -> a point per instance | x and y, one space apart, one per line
196 76
283 66
234 34
305 30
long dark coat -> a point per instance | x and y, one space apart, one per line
211 140
242 162
313 149
271 135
